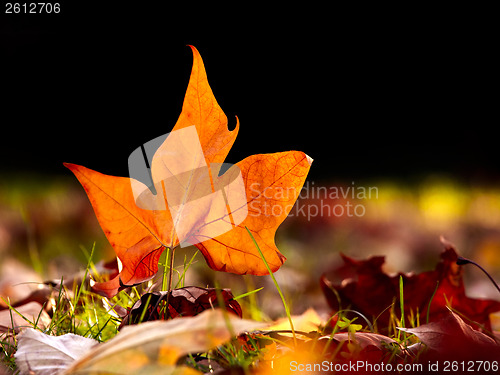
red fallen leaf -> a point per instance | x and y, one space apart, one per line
371 291
272 183
453 339
187 301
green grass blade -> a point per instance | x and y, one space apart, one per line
222 307
401 302
87 270
430 301
164 281
285 305
143 313
182 277
247 294
401 307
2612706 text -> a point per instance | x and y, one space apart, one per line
32 8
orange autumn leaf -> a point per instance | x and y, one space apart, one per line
139 227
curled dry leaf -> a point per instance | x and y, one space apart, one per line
271 185
187 301
41 296
155 347
452 338
371 292
41 354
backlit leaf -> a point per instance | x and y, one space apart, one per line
206 209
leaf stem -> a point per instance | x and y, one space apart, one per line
170 272
165 268
461 261
285 305
170 277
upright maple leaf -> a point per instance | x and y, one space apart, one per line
272 183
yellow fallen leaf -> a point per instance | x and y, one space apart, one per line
306 322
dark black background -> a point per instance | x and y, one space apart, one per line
367 93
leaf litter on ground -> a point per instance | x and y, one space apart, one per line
368 290
187 301
147 348
451 338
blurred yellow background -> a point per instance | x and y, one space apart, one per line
47 229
